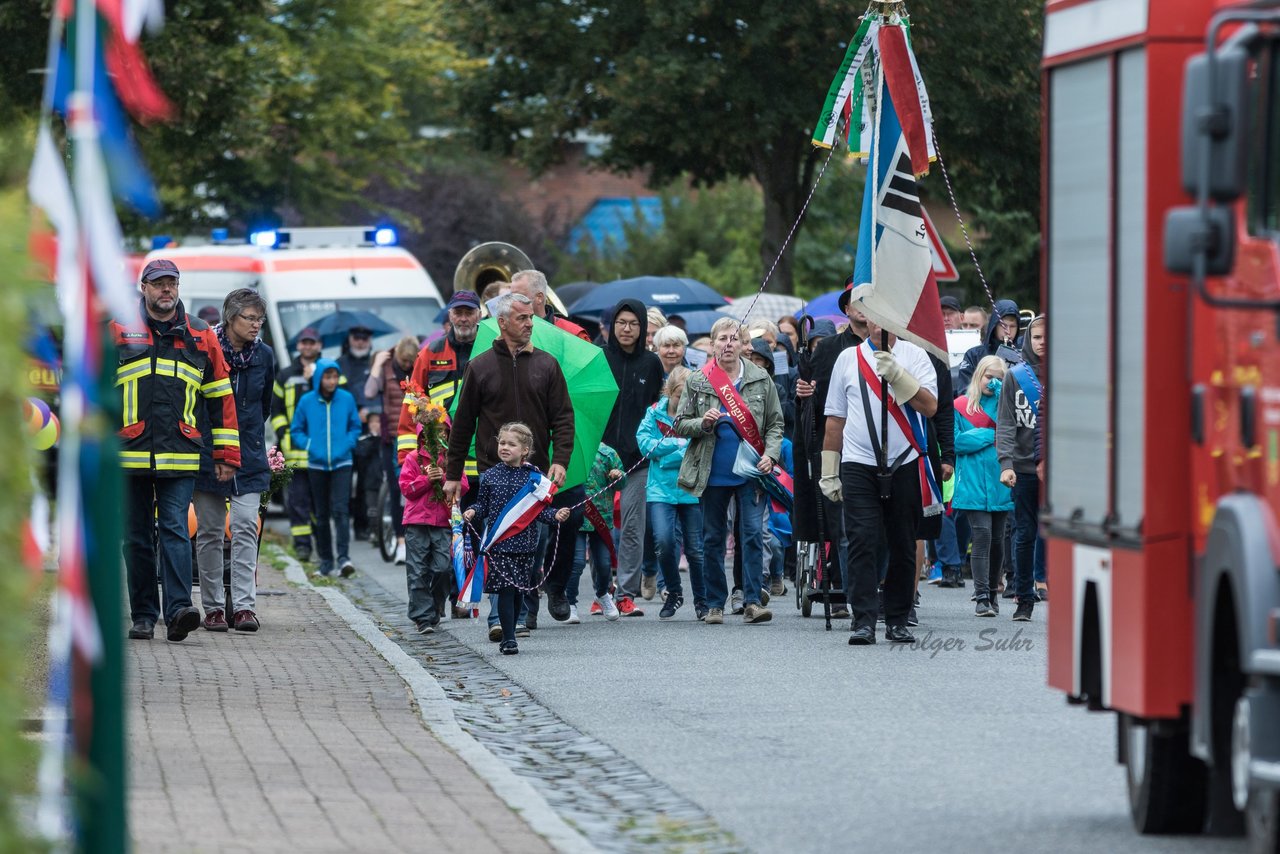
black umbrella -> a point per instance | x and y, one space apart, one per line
671 294
333 328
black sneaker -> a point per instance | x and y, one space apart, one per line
509 648
186 621
983 608
700 611
995 604
142 630
670 607
557 606
1008 593
1023 614
531 621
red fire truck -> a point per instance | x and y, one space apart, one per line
1161 277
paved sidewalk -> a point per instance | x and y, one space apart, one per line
298 738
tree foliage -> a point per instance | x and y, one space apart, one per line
727 88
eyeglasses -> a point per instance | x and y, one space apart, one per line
627 324
252 320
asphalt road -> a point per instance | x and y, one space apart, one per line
795 741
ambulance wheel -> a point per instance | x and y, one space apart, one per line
1166 783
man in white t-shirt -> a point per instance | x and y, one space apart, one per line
877 498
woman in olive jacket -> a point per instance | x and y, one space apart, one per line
707 470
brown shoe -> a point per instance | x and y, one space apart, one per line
215 621
777 588
756 614
245 621
715 617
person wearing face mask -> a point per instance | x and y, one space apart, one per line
985 501
356 363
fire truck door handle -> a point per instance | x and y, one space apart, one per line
1197 413
1248 416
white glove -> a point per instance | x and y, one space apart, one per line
829 483
903 385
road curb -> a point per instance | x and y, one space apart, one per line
437 713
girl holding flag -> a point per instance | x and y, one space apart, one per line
512 496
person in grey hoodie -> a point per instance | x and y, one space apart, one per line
1016 421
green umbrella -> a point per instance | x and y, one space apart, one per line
591 388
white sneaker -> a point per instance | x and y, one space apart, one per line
400 554
610 607
573 616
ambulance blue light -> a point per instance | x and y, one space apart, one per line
384 237
264 239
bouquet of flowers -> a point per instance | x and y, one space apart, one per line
281 474
433 421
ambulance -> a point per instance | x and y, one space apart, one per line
305 274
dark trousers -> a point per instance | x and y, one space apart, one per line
1028 547
297 503
330 498
557 546
867 519
156 535
367 466
428 571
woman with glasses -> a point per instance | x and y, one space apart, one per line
233 504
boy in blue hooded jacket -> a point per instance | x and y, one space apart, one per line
326 425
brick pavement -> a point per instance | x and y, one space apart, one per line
298 738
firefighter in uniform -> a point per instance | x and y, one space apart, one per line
168 364
291 384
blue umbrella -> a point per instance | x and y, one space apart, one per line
825 304
333 328
671 294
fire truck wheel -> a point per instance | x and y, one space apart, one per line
1166 784
1262 817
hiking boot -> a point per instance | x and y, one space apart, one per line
183 623
670 607
777 588
509 648
627 607
245 621
756 614
573 616
215 621
606 607
1023 614
983 608
649 587
735 602
715 617
495 633
142 630
557 605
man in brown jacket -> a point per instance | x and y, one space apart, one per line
513 381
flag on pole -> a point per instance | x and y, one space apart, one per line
893 272
518 514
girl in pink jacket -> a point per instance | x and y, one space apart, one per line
427 532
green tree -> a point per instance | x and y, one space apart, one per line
727 88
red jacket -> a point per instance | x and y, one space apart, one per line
162 377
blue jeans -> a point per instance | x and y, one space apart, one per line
1028 547
156 534
750 541
601 566
671 524
946 547
331 499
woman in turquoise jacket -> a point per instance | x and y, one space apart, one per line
986 502
674 514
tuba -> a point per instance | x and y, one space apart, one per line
488 263
494 262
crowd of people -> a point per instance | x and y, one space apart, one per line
718 456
